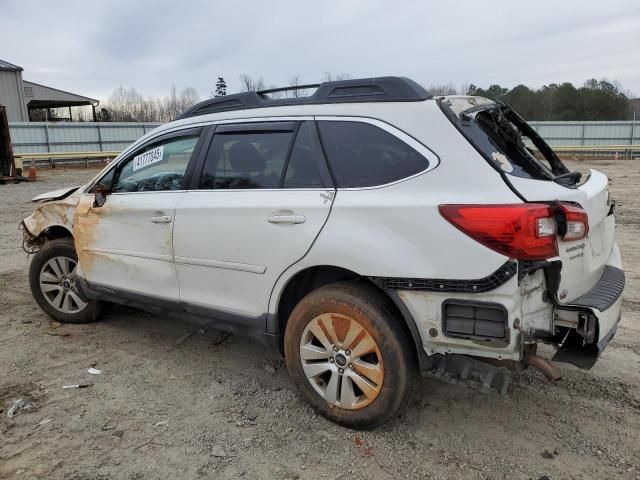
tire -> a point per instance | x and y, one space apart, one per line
389 369
52 282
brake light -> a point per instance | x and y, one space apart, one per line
525 231
576 222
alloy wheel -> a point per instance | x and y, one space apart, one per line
58 285
342 361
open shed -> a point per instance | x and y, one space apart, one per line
41 97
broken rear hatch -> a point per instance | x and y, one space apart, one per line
591 269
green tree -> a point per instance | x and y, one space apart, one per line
523 100
221 87
602 100
103 115
494 92
567 105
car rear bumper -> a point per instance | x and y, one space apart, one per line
608 324
604 300
599 313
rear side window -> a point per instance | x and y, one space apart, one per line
246 160
363 155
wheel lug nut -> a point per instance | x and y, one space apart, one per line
331 360
348 352
335 349
341 370
351 366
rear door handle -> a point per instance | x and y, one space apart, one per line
161 219
293 219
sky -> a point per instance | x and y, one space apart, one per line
90 48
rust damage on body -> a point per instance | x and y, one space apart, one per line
85 225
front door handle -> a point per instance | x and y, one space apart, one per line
293 219
161 219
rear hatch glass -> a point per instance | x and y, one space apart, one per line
534 172
506 140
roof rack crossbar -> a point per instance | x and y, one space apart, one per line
286 89
379 89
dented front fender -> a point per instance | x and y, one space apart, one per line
58 213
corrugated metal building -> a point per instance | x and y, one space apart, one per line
12 92
21 97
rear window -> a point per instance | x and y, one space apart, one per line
511 151
506 140
363 155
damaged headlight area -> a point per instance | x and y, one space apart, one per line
30 243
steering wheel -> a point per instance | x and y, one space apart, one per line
166 181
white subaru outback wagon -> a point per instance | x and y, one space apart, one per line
368 230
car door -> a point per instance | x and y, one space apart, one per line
263 196
124 246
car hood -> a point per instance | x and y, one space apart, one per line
55 194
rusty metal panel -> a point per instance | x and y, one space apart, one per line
7 165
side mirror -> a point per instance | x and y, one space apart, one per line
100 193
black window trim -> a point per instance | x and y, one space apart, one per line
263 126
319 156
259 127
432 157
287 158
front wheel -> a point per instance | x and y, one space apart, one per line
52 278
349 355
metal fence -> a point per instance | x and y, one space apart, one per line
575 134
40 137
44 137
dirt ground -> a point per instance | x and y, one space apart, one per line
218 407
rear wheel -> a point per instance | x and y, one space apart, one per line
350 356
52 278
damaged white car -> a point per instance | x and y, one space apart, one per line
369 231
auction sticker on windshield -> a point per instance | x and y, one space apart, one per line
148 158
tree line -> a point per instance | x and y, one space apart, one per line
594 100
129 105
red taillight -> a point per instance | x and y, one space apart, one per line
576 222
525 231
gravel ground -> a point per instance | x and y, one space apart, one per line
217 406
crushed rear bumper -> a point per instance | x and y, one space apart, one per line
602 307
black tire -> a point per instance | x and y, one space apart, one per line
371 311
60 248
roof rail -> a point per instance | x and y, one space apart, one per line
379 89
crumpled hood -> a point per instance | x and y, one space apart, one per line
55 194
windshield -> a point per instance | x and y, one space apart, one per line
506 140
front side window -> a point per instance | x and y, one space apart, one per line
239 160
363 155
160 166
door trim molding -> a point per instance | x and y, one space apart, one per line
131 253
204 262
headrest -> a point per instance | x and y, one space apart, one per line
244 157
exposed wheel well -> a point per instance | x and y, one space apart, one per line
305 281
54 232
